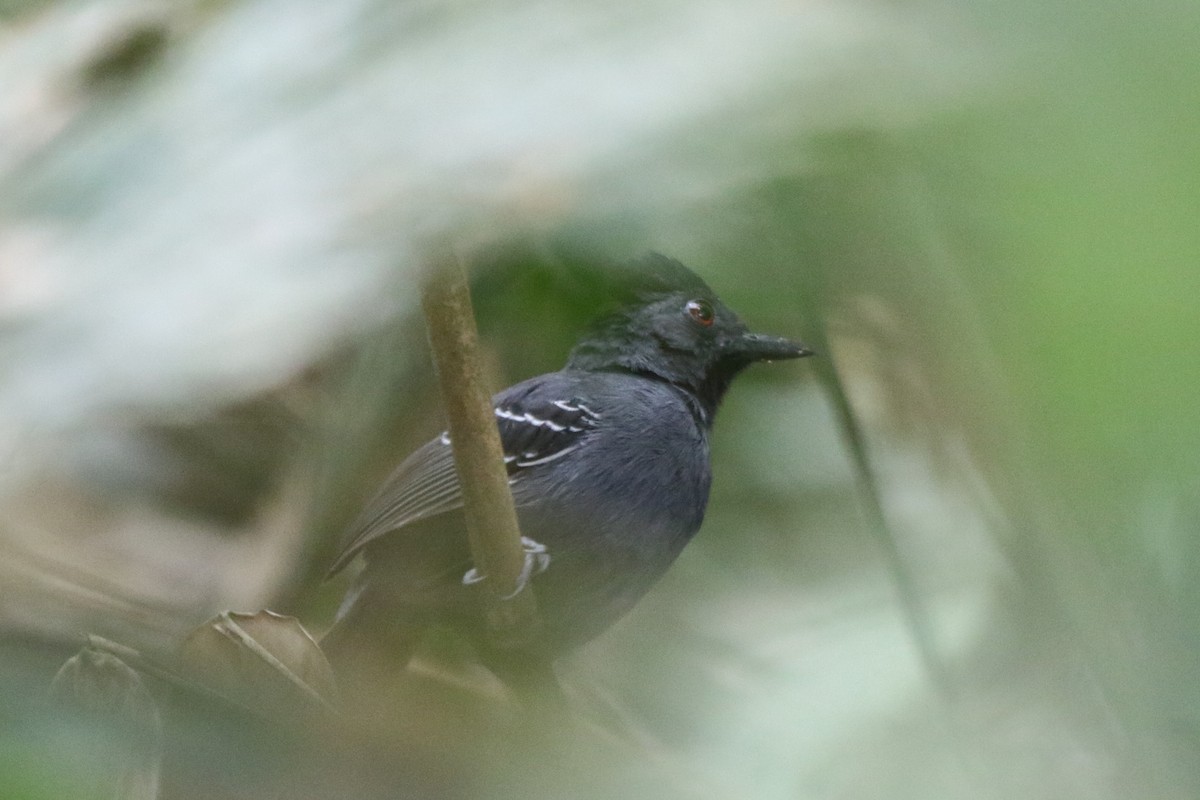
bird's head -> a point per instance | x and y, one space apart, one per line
669 325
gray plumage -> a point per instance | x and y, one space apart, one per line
608 462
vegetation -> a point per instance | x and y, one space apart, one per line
955 556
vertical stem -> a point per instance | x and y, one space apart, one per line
491 519
911 604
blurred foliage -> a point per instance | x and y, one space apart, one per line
213 221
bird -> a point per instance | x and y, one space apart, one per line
609 467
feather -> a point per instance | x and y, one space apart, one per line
537 426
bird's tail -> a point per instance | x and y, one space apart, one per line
371 641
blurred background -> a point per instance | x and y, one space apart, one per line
956 556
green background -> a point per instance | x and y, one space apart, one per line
954 556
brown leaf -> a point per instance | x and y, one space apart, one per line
265 661
119 754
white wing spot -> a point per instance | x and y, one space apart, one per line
504 413
546 459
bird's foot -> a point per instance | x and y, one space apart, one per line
537 559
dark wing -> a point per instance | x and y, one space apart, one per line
538 432
534 430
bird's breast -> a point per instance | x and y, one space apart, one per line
638 483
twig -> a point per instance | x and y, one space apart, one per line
912 606
491 519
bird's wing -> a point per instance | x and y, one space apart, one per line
536 428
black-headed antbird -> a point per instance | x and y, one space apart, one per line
608 460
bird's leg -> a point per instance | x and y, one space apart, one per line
537 560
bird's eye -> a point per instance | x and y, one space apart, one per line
701 311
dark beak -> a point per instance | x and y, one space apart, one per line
750 347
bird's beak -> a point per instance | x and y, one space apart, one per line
751 347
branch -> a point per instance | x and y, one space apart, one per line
491 519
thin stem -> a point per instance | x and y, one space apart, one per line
491 519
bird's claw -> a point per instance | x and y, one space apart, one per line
537 559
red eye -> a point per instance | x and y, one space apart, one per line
701 311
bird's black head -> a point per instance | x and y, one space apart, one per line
670 325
